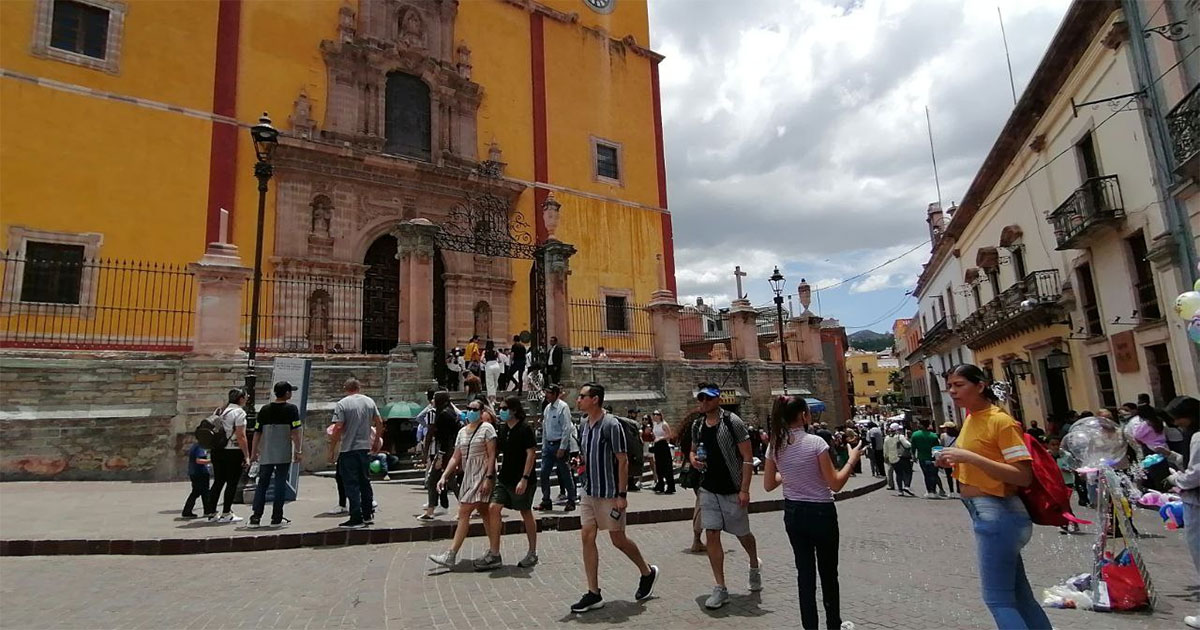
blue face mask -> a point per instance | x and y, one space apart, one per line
470 415
504 415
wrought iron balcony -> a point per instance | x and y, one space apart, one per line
1094 205
1026 305
1183 121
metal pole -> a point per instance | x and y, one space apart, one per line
263 172
782 346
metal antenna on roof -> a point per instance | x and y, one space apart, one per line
1011 84
933 155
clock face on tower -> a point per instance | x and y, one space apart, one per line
600 6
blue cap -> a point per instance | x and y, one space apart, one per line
711 392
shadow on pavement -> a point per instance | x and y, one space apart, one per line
614 612
738 606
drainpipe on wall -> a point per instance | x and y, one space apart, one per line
1146 72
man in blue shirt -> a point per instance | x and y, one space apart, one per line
556 437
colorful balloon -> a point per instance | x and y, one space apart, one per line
375 466
1193 330
1187 304
1196 286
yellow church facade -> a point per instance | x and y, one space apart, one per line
124 136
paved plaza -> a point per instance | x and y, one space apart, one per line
905 563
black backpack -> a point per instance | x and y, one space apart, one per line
210 433
633 446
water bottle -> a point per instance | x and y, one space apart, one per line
701 454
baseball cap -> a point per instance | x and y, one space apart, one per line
894 426
553 388
283 387
710 391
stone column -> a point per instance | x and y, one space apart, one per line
555 256
220 278
664 322
415 249
743 320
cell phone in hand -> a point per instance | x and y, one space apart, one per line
615 514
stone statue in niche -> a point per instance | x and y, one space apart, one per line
464 61
346 30
318 320
411 30
301 118
322 214
483 320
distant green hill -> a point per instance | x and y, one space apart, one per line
871 341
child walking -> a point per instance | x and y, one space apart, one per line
198 473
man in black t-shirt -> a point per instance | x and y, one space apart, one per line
516 369
515 486
440 436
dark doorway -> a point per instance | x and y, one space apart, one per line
406 127
1056 386
381 297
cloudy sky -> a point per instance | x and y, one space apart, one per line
795 135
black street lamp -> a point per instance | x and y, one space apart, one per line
777 283
266 138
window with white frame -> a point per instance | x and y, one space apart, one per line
49 271
83 32
607 162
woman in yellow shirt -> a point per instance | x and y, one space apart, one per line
991 462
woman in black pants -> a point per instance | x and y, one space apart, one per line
663 458
228 462
800 462
442 432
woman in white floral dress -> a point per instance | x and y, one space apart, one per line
475 454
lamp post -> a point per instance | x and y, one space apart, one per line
266 138
777 283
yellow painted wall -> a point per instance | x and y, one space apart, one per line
879 375
76 163
629 17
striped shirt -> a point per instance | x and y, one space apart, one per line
799 464
600 442
731 431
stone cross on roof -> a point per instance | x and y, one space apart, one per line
738 274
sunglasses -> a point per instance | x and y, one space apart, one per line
475 408
704 397
501 408
586 396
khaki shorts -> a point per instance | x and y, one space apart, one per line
594 512
721 512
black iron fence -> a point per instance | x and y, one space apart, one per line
1097 200
1183 121
611 327
55 298
299 312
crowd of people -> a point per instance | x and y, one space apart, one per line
488 455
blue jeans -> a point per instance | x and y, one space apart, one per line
1002 527
265 473
933 481
565 478
352 466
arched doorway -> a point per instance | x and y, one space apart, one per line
381 297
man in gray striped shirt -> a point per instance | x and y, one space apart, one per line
721 450
605 457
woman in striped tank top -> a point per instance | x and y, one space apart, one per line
800 462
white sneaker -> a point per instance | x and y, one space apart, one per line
1192 621
446 559
756 578
930 495
719 597
230 517
847 625
337 511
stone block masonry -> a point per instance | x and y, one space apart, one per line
125 415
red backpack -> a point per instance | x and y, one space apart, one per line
1046 498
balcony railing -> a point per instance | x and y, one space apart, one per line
1183 121
1096 203
1022 306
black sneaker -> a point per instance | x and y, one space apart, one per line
589 601
284 522
646 584
188 515
369 519
570 507
352 524
545 507
255 523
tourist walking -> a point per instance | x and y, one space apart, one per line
948 438
604 505
554 361
278 441
991 463
690 478
354 416
230 460
897 452
475 455
517 366
923 442
557 428
198 474
443 430
721 451
515 483
491 374
664 459
799 461
875 441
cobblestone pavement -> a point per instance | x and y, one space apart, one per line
124 510
905 563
